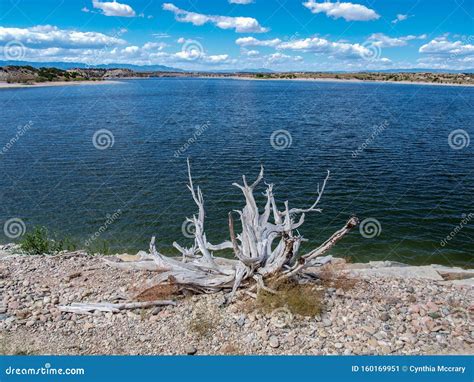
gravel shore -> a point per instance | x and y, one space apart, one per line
377 314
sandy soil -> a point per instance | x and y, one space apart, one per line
6 85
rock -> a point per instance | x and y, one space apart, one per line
414 309
327 322
190 350
156 310
274 342
241 320
384 317
26 283
410 289
338 345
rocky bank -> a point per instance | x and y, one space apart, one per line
384 308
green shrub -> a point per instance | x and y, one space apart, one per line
40 242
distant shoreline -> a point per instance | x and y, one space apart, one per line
352 80
6 85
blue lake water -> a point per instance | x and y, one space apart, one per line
386 146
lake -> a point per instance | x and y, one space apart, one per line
112 159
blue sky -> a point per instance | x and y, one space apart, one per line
227 34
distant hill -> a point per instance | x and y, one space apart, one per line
72 65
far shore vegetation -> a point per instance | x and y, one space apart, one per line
31 75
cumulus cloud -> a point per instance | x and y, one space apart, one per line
250 53
383 41
113 8
281 58
348 11
321 45
400 17
239 24
51 36
442 46
252 41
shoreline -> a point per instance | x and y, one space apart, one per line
352 80
6 85
361 310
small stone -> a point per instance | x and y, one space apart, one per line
274 342
414 309
241 320
190 350
327 322
26 283
156 310
410 289
384 317
338 345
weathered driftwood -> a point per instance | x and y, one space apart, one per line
87 308
267 246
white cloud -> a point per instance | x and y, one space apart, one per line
241 2
321 45
51 36
442 46
252 41
216 59
239 24
114 9
383 41
250 53
181 40
348 11
281 58
400 17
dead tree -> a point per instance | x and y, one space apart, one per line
267 246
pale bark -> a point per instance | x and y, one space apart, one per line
268 245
